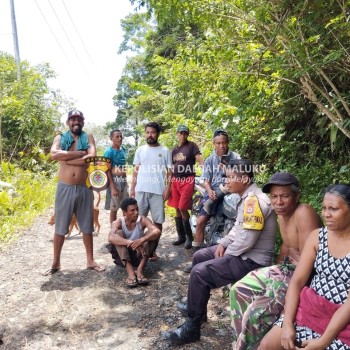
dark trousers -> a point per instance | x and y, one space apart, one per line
209 273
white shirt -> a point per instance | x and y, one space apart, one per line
154 163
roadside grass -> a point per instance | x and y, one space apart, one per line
32 194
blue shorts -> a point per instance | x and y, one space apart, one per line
214 207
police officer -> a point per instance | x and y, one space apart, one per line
249 245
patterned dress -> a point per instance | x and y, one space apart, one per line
331 281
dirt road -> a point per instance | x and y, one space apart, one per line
80 309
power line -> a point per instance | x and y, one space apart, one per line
52 32
81 40
70 43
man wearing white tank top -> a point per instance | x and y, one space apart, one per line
133 240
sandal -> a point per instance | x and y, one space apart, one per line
154 257
131 283
51 271
142 280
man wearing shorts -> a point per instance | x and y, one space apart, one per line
133 239
73 197
118 189
184 157
151 178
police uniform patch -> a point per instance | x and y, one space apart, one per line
253 218
97 179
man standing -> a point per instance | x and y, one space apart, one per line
151 178
213 176
72 196
257 300
133 245
184 156
249 245
118 189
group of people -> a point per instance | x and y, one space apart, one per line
300 302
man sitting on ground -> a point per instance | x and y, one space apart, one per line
131 245
258 299
249 245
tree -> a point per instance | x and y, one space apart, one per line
267 65
29 112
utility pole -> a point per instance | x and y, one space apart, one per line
15 40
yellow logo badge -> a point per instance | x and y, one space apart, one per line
253 218
97 178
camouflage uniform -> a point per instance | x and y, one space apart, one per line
256 302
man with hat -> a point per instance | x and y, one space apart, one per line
184 157
71 149
249 245
257 300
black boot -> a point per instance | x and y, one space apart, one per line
187 268
189 332
188 232
182 307
181 236
220 193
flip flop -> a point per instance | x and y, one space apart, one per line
51 271
154 257
142 280
131 283
96 268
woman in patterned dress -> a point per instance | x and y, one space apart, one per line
318 317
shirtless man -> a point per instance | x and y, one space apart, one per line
134 239
257 300
72 196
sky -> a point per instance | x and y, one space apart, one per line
80 41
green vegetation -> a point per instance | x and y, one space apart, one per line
33 193
29 119
273 73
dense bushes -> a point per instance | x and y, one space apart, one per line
33 193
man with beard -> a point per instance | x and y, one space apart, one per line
73 196
151 178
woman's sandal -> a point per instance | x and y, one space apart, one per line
131 283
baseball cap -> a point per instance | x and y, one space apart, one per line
75 113
281 179
181 128
219 132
